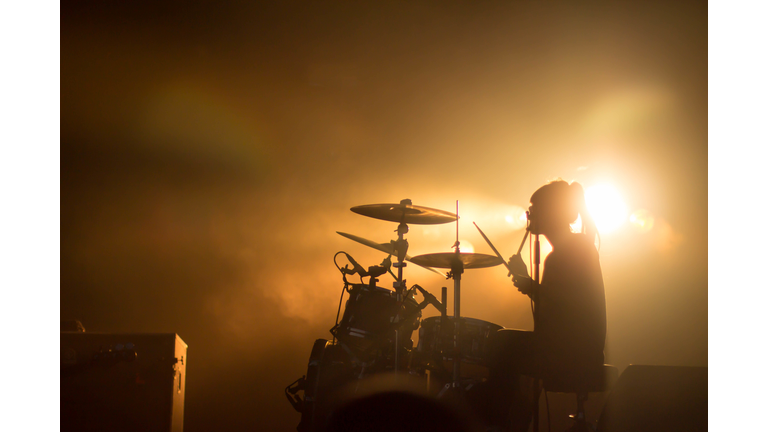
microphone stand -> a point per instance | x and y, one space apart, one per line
536 277
535 297
457 268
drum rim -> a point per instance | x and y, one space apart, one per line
436 318
382 290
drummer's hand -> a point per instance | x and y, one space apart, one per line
517 266
524 284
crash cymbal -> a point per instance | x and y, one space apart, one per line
387 248
405 212
444 260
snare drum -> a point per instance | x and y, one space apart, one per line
369 314
436 352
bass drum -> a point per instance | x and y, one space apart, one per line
328 374
435 351
369 316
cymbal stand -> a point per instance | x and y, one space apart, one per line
457 268
401 247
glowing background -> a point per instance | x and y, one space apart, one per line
211 152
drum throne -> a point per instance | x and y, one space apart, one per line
598 379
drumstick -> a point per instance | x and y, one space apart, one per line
522 242
494 249
497 252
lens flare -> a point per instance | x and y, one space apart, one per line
606 206
642 220
515 217
466 247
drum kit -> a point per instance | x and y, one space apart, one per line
373 338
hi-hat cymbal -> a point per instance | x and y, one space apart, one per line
405 212
387 248
446 259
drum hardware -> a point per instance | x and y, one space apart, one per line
373 271
372 314
361 332
429 299
403 213
457 268
388 248
401 245
434 353
369 315
456 262
290 392
355 346
444 298
398 248
332 367
373 331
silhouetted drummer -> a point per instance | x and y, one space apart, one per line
569 303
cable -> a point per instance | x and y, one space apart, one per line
338 312
344 288
344 276
334 260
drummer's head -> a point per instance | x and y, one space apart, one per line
556 205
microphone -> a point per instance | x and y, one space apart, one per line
430 298
356 268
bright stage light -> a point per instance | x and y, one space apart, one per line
606 207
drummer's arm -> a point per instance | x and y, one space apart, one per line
519 271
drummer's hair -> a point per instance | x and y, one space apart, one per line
568 199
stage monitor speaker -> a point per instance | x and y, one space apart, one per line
657 399
122 382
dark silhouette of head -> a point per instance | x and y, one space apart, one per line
558 204
398 411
